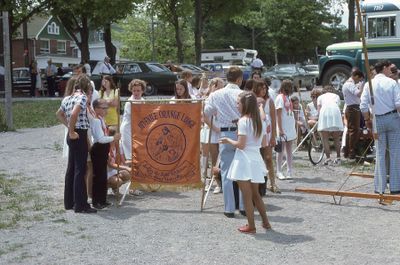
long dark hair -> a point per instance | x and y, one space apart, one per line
258 87
250 108
183 83
112 85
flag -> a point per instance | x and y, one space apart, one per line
166 143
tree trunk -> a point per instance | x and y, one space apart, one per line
111 50
178 38
351 32
84 47
198 31
253 38
26 44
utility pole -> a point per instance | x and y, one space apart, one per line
7 70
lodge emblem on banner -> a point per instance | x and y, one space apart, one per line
166 143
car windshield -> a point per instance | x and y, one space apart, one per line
21 73
286 69
155 67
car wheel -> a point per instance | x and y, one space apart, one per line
336 76
150 90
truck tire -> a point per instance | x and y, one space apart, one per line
336 76
150 90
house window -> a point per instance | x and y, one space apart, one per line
61 47
44 46
52 28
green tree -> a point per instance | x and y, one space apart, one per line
174 12
292 28
21 11
79 16
136 38
205 10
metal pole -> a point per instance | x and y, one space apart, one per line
7 71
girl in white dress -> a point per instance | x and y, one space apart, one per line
137 87
261 90
248 167
286 129
330 121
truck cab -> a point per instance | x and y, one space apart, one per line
381 20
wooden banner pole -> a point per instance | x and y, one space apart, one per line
203 197
349 194
117 147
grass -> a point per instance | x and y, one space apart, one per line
31 114
22 203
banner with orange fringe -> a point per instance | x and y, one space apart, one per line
166 145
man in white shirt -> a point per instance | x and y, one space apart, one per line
352 90
386 107
106 68
223 102
51 71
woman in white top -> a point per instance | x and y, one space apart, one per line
312 108
137 87
330 121
286 129
261 91
248 167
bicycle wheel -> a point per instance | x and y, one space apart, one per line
315 149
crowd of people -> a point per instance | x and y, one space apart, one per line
242 123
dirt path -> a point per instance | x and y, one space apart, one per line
168 228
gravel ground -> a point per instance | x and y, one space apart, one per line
168 228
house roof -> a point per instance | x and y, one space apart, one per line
35 25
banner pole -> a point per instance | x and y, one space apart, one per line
371 91
203 197
117 147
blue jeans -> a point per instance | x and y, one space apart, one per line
388 139
227 152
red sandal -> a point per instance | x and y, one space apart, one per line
246 230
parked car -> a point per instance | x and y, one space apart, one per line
312 69
292 72
21 79
157 77
196 71
216 69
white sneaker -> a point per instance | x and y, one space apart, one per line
279 175
217 190
289 176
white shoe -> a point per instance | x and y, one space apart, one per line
279 175
289 176
217 190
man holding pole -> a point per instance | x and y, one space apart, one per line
387 107
223 102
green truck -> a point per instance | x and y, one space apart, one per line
381 20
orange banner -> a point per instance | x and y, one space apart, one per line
166 143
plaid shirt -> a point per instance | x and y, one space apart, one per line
67 105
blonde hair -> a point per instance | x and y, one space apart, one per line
137 81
